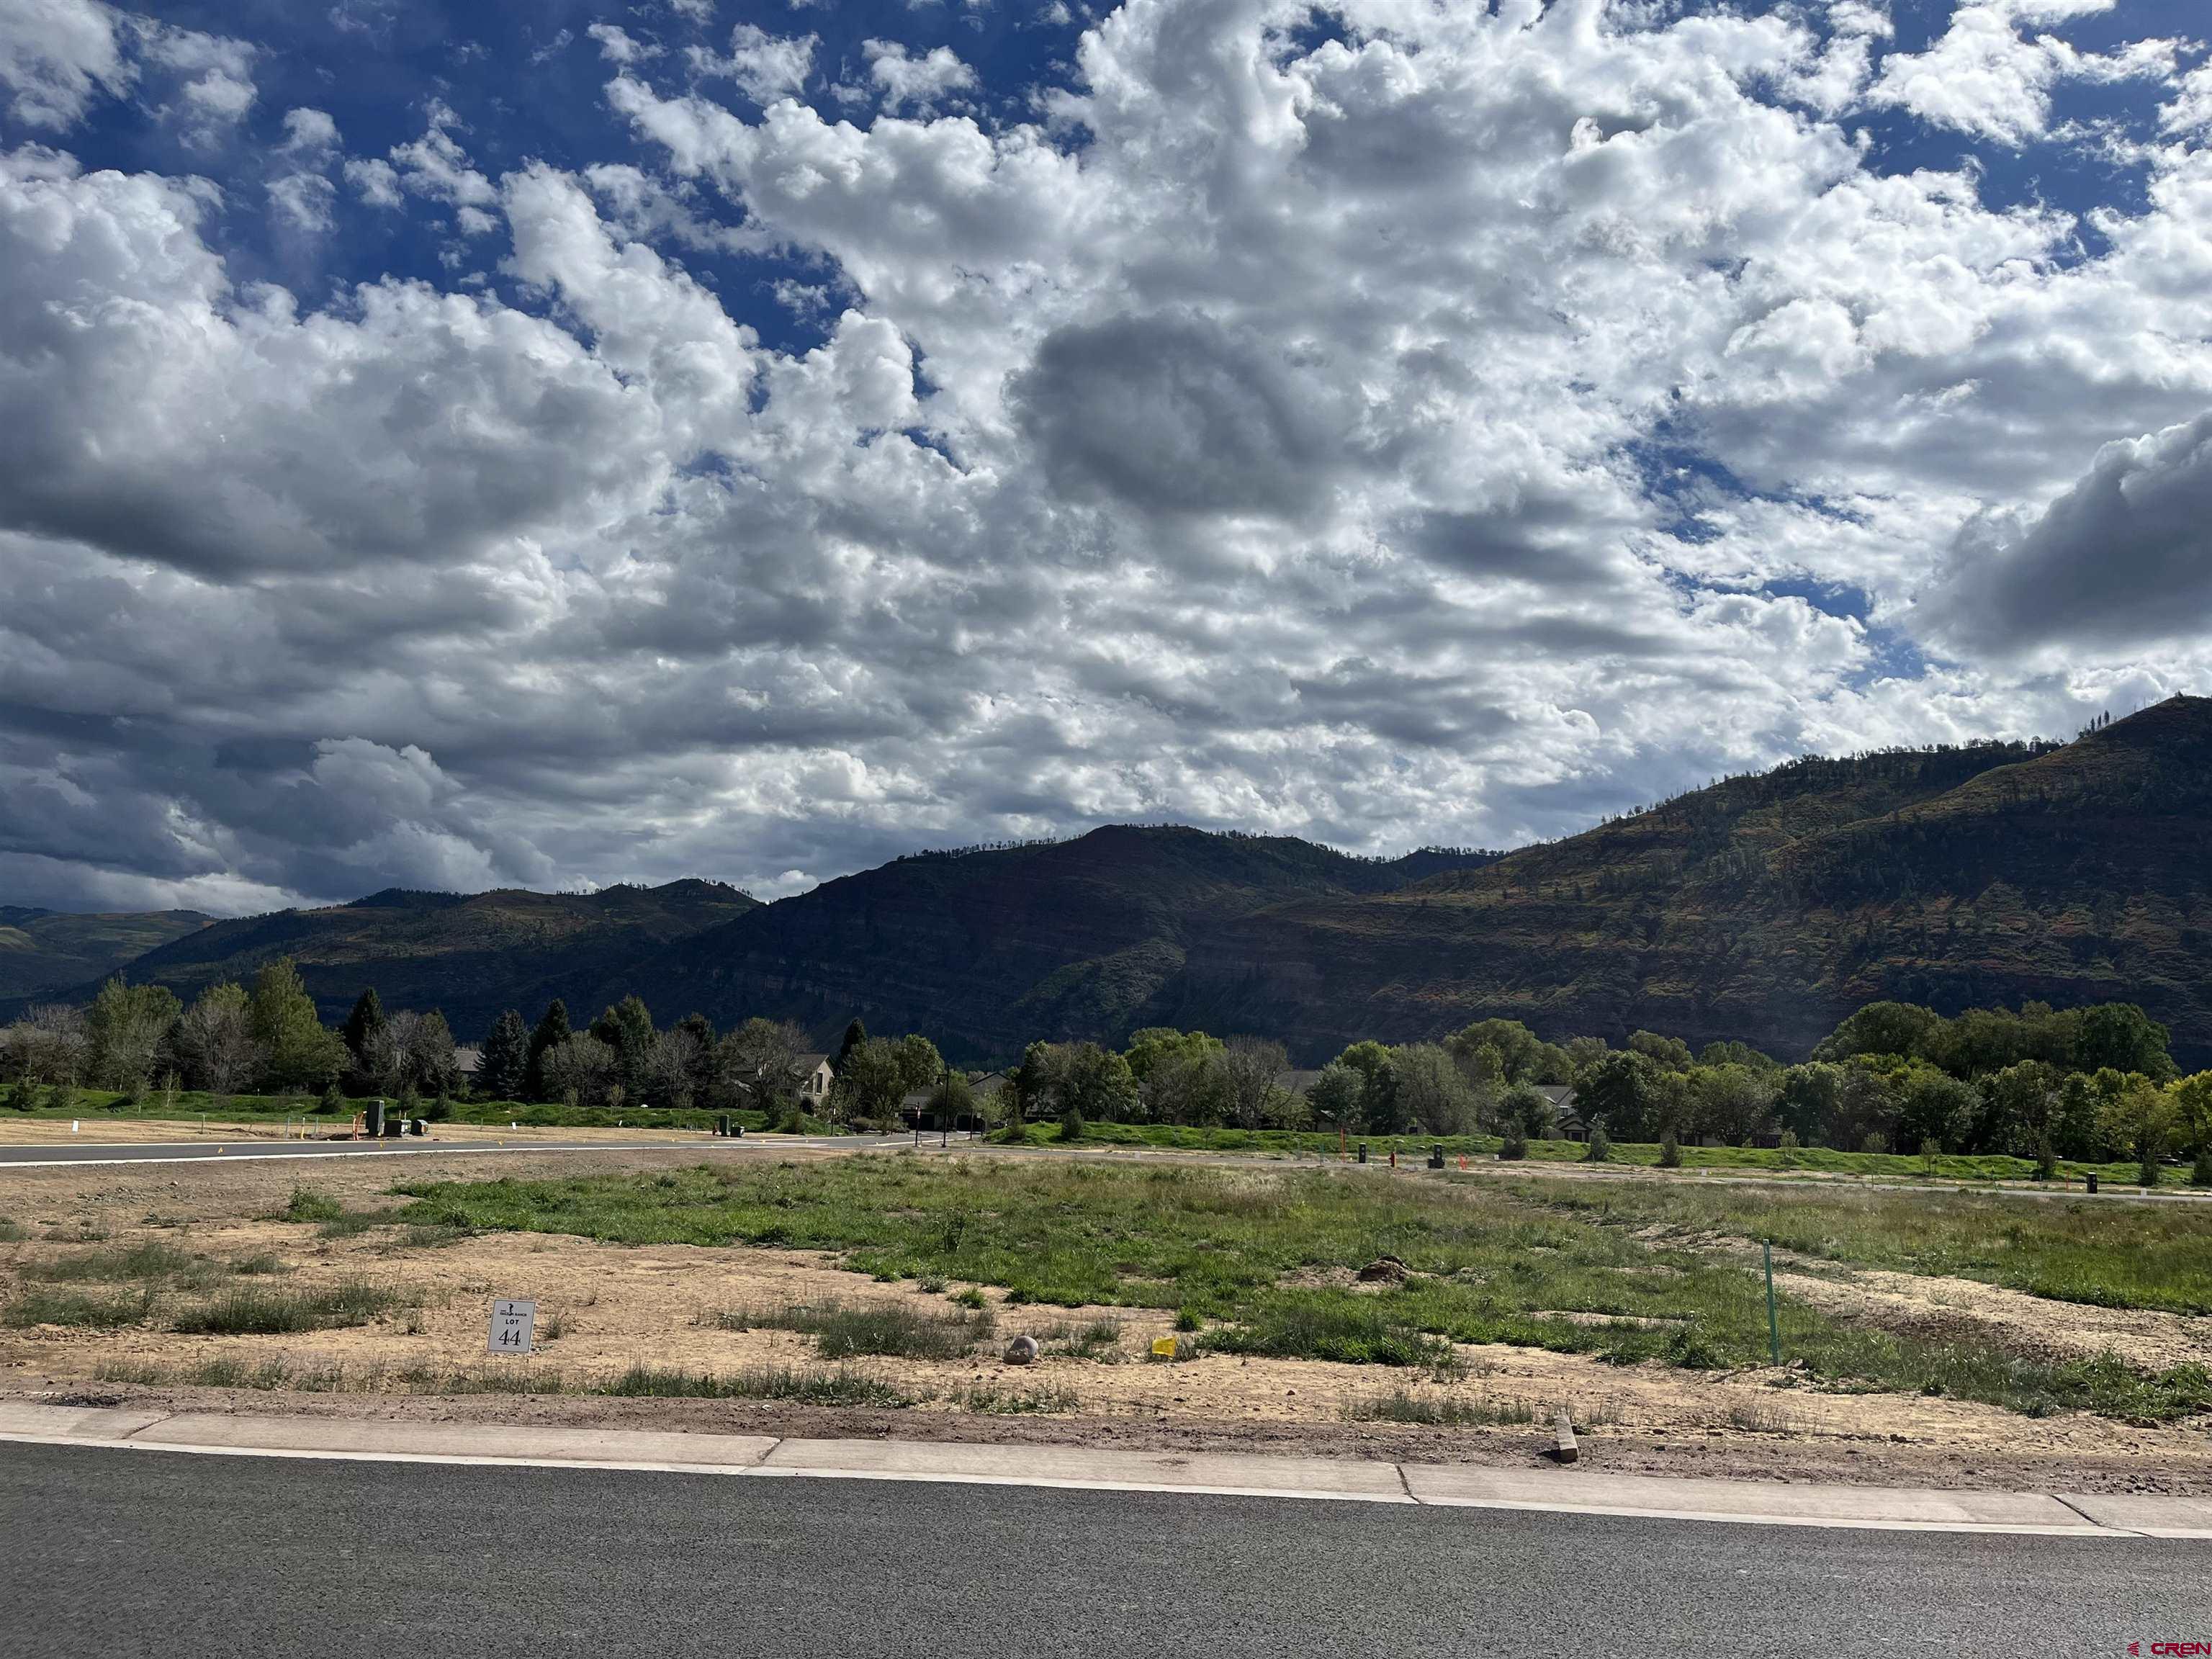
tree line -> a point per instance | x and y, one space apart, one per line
2096 1083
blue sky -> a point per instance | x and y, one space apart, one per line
553 446
526 83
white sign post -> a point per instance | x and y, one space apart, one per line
513 1324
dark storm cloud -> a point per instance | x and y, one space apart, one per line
2124 558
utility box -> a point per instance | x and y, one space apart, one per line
372 1122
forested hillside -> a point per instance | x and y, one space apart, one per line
46 952
470 956
987 949
1765 909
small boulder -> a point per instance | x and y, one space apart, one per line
1385 1270
1021 1351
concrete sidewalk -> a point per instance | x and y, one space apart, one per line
1577 1491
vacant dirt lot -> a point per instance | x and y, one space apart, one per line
608 1307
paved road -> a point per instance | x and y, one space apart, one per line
119 1553
149 1151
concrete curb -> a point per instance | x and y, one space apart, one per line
1364 1481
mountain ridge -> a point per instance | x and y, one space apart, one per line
1763 907
471 954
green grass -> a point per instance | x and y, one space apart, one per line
271 1110
1357 1330
307 1204
136 1263
36 1305
988 1401
847 1330
11 1232
1412 1150
1258 1257
2115 1255
261 1311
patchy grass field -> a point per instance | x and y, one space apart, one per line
1174 1305
2104 1255
1265 1262
1413 1148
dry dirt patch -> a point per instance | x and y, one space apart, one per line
2148 1338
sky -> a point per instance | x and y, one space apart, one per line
453 446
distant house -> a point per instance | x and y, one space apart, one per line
1562 1097
914 1106
1298 1083
815 1076
466 1059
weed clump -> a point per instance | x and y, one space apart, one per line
845 1330
308 1205
1403 1406
259 1311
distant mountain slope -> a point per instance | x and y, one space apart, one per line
1766 908
470 956
987 949
43 952
1763 908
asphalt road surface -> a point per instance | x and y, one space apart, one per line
148 1151
182 1556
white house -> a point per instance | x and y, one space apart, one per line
815 1078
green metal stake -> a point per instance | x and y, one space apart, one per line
1773 1326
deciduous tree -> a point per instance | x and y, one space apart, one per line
126 1027
214 1040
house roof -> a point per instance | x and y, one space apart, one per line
811 1063
1297 1081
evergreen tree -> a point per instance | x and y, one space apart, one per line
361 1026
552 1031
506 1058
629 1031
298 1052
699 1055
855 1035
